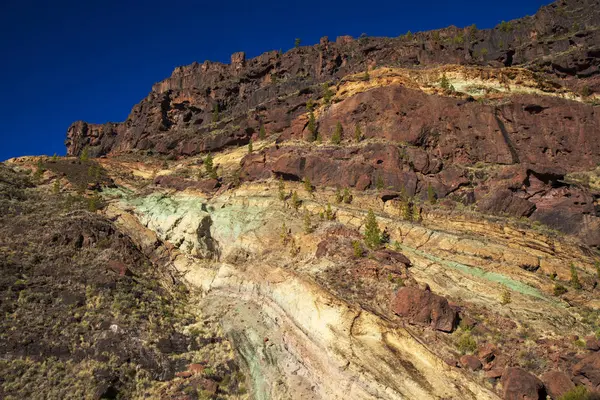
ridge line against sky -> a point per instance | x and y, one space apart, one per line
70 60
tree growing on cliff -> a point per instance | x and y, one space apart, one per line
262 133
281 189
308 228
372 232
347 197
358 136
295 200
336 138
312 127
216 113
297 42
250 149
308 185
444 82
85 155
327 93
431 196
210 168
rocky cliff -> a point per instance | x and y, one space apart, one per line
368 218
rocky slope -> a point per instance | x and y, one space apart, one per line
251 271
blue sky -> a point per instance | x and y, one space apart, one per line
92 60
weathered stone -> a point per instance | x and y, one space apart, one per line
557 383
470 362
424 308
588 370
519 384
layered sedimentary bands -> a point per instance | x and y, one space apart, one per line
219 244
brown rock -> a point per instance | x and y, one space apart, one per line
557 383
519 384
494 373
591 343
422 307
588 370
487 352
470 362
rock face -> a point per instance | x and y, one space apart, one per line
518 384
557 383
501 153
424 308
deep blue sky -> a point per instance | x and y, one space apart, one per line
92 60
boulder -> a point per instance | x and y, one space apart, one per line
557 383
470 362
587 371
591 343
422 307
519 384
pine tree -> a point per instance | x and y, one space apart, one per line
347 196
358 134
366 76
215 113
379 184
575 278
250 146
444 82
54 158
505 297
312 127
297 42
208 165
308 184
372 232
85 155
327 93
56 187
329 213
295 200
262 133
431 194
358 251
308 228
310 105
281 189
336 138
338 196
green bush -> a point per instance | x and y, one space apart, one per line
431 194
262 133
466 343
308 185
297 42
577 393
295 200
250 148
358 250
559 289
327 93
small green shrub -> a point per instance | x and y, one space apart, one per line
329 215
505 297
577 393
85 154
250 148
281 189
466 343
505 26
559 289
262 133
347 197
297 42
